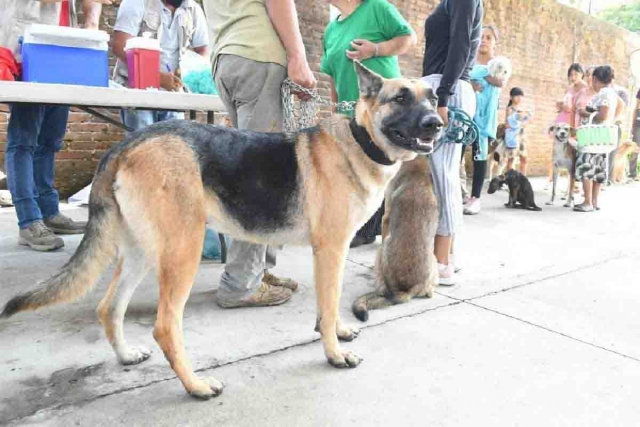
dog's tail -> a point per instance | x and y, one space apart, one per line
373 301
95 253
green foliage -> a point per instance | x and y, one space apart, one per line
626 16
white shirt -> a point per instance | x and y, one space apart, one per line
129 21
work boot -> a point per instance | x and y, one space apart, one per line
284 282
38 237
62 224
266 295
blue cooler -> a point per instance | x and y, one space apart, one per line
65 55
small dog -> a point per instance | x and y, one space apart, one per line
620 160
520 190
406 265
564 158
500 67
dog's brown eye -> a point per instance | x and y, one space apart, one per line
400 99
434 102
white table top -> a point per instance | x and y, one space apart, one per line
102 97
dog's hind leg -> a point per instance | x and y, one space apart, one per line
177 271
329 260
131 269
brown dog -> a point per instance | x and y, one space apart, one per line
153 193
406 266
564 158
620 159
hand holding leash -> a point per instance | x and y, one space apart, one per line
299 72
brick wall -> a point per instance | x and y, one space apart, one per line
541 37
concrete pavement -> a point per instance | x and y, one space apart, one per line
541 330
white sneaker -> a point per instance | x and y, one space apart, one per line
446 275
452 261
473 207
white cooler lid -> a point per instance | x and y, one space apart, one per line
142 43
66 36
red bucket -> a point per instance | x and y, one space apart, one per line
143 62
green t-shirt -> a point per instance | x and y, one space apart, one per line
374 20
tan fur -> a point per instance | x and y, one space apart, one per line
620 159
406 266
153 209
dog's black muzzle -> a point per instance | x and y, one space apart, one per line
420 136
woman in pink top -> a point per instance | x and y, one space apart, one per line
583 98
566 107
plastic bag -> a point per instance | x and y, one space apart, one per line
196 74
212 248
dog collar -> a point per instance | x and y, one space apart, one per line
368 146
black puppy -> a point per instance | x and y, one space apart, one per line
520 190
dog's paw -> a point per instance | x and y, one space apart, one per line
206 388
345 359
134 355
346 333
549 203
567 205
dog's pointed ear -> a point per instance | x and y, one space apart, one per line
369 82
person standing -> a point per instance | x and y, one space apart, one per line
591 169
452 37
179 25
375 33
35 132
256 45
487 100
567 106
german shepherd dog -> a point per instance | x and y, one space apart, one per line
564 158
153 193
520 190
406 265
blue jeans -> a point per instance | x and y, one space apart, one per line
138 119
34 136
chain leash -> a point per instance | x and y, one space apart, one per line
305 117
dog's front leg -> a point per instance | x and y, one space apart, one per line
329 269
512 198
553 189
572 182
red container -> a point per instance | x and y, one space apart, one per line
143 62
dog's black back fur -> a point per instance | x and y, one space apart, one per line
520 190
237 164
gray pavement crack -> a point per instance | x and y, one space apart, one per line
455 301
541 279
590 344
91 399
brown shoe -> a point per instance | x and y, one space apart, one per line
62 224
264 296
284 282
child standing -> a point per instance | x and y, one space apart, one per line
516 119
